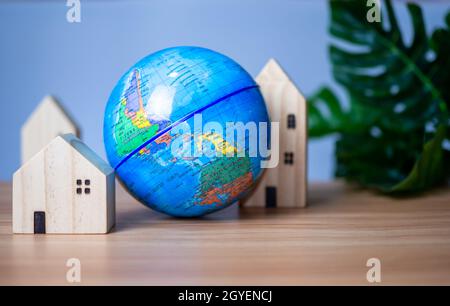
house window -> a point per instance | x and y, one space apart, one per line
289 158
291 121
83 187
271 197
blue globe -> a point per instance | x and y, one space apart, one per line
163 135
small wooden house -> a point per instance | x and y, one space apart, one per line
64 189
47 121
286 184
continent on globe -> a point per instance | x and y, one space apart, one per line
133 126
223 178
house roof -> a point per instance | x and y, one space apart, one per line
272 71
76 144
51 102
88 153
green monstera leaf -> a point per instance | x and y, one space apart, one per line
392 136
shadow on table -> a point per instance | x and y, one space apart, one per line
143 217
320 195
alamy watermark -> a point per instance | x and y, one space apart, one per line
73 275
374 273
73 14
229 139
374 11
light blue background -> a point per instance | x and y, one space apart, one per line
41 53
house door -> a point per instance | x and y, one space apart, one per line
271 197
39 222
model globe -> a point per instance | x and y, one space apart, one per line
165 131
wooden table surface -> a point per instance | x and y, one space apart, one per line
327 243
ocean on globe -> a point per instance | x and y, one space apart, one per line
162 136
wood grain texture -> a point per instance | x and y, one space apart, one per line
328 242
283 99
46 122
70 185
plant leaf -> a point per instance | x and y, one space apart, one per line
428 169
391 136
325 114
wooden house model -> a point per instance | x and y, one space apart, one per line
286 184
47 121
64 189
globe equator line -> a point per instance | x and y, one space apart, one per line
181 120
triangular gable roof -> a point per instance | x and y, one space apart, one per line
272 72
81 148
52 102
87 153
